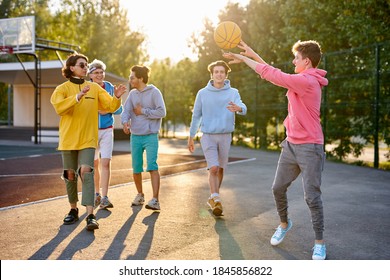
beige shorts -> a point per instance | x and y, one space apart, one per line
216 149
105 144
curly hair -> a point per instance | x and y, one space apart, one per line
71 61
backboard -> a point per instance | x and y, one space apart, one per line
17 35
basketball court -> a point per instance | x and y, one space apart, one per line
356 203
33 203
32 173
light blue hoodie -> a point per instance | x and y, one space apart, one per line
210 110
153 110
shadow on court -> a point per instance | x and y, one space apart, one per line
356 204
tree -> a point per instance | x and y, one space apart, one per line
105 33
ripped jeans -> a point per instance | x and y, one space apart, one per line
74 162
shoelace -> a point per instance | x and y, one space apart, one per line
279 232
318 250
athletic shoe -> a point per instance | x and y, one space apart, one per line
92 224
319 252
98 198
153 204
280 233
215 205
105 203
72 217
138 200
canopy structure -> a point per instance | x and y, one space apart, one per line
17 36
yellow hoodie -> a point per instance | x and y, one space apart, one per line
78 127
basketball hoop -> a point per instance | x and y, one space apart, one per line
17 35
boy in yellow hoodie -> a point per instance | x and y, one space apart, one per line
77 102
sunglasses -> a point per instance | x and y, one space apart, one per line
82 65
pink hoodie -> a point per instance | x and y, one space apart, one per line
303 122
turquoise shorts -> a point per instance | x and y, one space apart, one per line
139 144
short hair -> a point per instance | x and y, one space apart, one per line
71 61
309 49
96 64
141 72
218 63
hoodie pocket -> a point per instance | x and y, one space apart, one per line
295 129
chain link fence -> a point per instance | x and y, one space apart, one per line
355 104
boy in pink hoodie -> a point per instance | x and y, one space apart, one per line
303 148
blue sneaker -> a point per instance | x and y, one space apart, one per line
319 252
280 233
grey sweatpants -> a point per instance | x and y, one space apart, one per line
307 159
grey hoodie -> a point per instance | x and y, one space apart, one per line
153 110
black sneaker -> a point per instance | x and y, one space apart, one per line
92 224
72 217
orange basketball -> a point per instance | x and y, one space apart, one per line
227 35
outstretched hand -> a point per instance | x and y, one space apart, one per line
248 56
248 52
119 90
235 57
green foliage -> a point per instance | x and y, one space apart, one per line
356 103
355 40
99 27
3 102
177 91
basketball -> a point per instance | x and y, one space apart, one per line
227 35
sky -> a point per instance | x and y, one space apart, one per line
169 24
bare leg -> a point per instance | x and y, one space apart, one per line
214 179
155 178
138 181
105 175
220 177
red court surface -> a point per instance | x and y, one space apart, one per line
29 179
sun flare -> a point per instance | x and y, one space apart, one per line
169 24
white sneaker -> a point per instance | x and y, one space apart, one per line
153 204
280 233
138 200
319 252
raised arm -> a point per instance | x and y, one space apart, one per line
248 56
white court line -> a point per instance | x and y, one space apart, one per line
29 156
123 184
116 170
